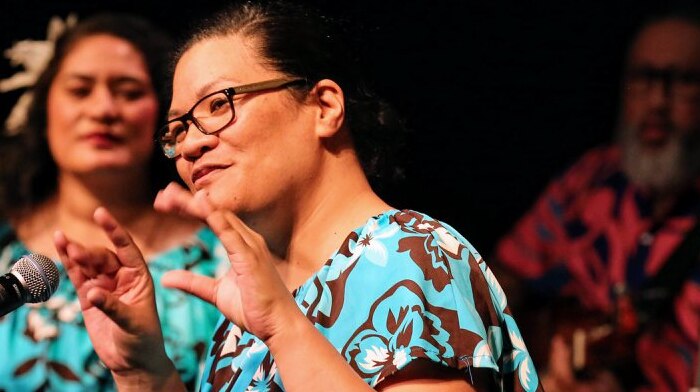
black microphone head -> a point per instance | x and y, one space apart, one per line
39 274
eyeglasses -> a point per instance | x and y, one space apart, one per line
676 83
211 113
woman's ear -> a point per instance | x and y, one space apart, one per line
328 97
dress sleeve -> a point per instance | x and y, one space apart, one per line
438 302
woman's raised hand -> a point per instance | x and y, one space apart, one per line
252 293
116 295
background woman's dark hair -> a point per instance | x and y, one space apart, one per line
28 174
301 41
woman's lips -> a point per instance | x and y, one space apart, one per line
200 175
102 140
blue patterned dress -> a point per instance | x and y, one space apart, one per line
402 287
46 347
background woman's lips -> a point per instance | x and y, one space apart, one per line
102 139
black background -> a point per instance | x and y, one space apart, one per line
501 95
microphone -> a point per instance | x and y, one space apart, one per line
33 278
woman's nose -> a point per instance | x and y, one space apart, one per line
196 142
102 105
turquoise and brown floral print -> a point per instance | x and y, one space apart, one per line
46 347
402 287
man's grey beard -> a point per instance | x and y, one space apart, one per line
666 171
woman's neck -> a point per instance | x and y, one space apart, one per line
338 205
126 198
71 210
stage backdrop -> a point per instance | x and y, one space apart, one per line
500 96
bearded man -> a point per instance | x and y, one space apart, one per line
608 254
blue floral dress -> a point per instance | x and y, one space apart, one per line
45 347
402 287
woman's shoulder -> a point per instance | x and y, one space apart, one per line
396 239
411 226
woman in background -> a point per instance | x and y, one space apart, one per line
88 141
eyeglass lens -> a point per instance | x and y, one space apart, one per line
209 115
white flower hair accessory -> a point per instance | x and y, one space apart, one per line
34 56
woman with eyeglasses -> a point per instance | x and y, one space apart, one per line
88 142
330 287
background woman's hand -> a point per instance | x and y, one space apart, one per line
116 295
251 294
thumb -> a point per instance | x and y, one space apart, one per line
200 286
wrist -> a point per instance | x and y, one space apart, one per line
295 327
164 379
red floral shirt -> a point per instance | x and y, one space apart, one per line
590 233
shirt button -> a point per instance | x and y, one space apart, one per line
646 238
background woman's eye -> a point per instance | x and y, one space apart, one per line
131 94
79 92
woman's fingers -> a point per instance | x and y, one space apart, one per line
221 221
126 250
90 262
200 286
230 234
61 243
73 270
176 199
111 306
99 260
